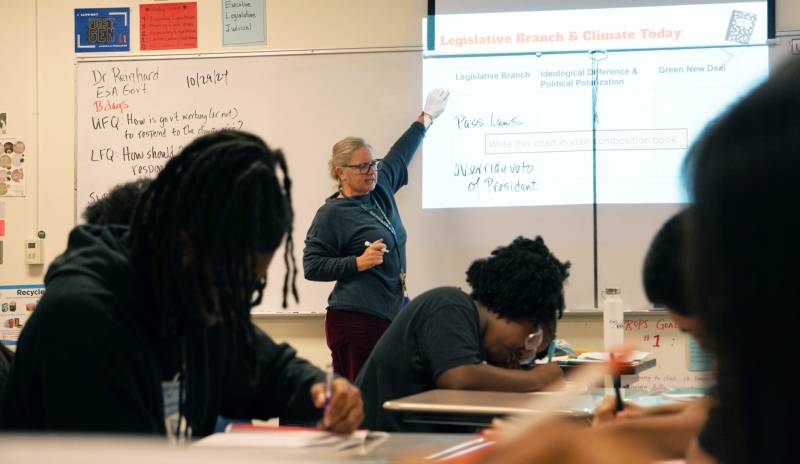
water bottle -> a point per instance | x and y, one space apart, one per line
613 319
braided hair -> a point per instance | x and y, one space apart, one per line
200 227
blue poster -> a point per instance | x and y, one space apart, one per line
102 30
17 303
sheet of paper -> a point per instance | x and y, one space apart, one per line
280 439
603 356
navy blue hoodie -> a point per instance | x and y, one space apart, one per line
88 361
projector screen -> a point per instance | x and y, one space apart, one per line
581 106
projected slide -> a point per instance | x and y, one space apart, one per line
518 128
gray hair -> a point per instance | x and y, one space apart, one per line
343 151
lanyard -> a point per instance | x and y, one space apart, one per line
384 220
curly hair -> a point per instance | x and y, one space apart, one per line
118 205
521 281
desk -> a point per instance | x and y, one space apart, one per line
73 449
397 446
628 368
628 371
477 408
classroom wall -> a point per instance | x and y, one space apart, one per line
36 48
787 15
291 24
18 98
41 45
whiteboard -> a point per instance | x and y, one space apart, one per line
303 103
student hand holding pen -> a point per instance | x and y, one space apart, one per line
341 400
606 411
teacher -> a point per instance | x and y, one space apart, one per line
358 240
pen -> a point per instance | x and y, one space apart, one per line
328 392
551 347
369 244
618 406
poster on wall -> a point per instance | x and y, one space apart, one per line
659 335
2 227
243 22
17 303
102 30
168 26
12 168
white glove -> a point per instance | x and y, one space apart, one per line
435 103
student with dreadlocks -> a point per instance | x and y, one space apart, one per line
442 338
148 331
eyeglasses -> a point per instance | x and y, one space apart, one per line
532 343
534 339
364 168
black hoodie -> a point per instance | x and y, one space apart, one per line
88 362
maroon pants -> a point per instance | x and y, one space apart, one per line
351 335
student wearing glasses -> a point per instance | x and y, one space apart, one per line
449 339
358 240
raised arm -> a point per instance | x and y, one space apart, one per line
395 168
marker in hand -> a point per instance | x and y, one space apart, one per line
372 256
369 244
